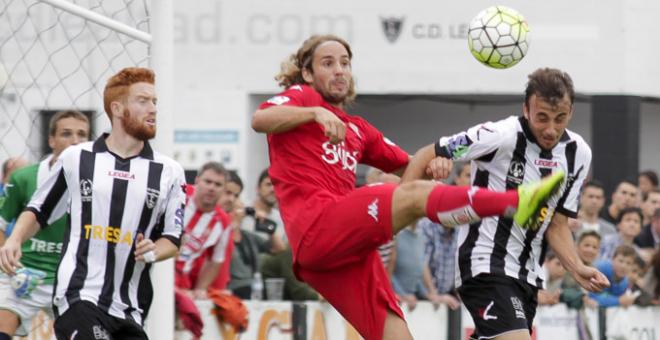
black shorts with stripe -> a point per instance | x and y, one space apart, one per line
498 304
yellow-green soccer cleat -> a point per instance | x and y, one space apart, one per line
531 197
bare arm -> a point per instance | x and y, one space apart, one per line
207 274
163 248
560 239
282 118
425 164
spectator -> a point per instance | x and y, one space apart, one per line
440 258
248 248
652 279
616 270
636 282
206 228
230 195
280 265
588 246
554 273
8 166
625 196
265 209
411 278
650 203
648 240
387 250
629 224
648 180
592 201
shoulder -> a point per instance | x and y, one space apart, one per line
25 172
298 94
582 147
168 162
506 128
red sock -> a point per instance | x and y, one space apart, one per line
452 205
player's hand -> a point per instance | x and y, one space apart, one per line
445 299
591 279
10 254
548 298
439 168
145 249
333 127
199 294
626 299
409 300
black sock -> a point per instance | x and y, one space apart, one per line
4 336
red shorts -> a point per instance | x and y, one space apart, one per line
338 257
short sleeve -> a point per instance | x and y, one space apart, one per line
295 95
380 152
473 143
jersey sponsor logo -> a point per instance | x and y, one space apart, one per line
152 197
337 153
518 308
121 174
516 172
484 312
372 209
278 100
458 145
42 246
86 190
108 234
546 163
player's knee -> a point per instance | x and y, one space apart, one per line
413 193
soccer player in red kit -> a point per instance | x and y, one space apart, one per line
335 229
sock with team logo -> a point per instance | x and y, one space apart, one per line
454 205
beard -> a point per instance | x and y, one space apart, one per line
137 129
338 98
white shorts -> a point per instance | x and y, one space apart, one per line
27 308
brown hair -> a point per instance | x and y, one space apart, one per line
216 167
589 233
52 125
117 87
291 68
550 84
625 251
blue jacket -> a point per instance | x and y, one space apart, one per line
609 297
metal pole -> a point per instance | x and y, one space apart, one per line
101 19
160 323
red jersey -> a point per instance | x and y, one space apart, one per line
203 231
309 172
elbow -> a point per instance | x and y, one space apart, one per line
258 123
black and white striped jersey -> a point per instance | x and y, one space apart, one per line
503 155
110 200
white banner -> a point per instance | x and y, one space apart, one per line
271 320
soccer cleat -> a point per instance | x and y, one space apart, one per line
531 197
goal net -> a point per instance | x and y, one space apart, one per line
57 55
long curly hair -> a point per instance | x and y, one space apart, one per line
291 68
117 87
